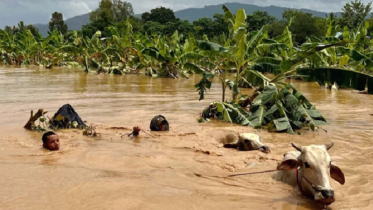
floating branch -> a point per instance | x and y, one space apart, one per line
31 122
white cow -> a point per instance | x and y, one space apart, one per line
245 142
310 167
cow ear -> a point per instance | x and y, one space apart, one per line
337 174
288 165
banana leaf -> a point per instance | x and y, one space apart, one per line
240 19
237 114
254 42
283 124
257 120
268 96
343 77
266 65
154 53
204 84
210 46
232 113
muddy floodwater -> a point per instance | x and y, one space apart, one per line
173 170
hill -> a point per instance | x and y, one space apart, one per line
192 14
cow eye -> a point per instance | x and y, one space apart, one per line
306 165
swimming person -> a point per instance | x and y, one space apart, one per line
51 141
159 123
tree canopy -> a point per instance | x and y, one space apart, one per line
161 15
354 13
304 25
109 13
258 19
121 10
57 23
104 12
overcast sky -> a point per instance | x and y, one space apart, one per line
39 11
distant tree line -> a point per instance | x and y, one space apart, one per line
162 20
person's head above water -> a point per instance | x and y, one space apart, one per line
51 141
159 123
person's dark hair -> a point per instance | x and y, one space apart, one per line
46 134
157 121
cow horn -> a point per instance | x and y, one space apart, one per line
296 147
329 145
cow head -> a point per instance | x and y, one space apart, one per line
315 167
250 141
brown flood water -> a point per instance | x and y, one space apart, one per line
160 172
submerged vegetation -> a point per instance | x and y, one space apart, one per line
249 52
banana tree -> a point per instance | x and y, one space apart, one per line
267 56
276 104
166 51
7 47
123 52
95 53
12 49
233 56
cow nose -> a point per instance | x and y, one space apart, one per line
265 149
327 193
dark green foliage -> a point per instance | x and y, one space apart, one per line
221 26
211 27
161 15
259 19
151 27
182 26
204 26
277 28
100 25
145 17
304 25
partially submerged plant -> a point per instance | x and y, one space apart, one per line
275 104
43 125
90 131
277 108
